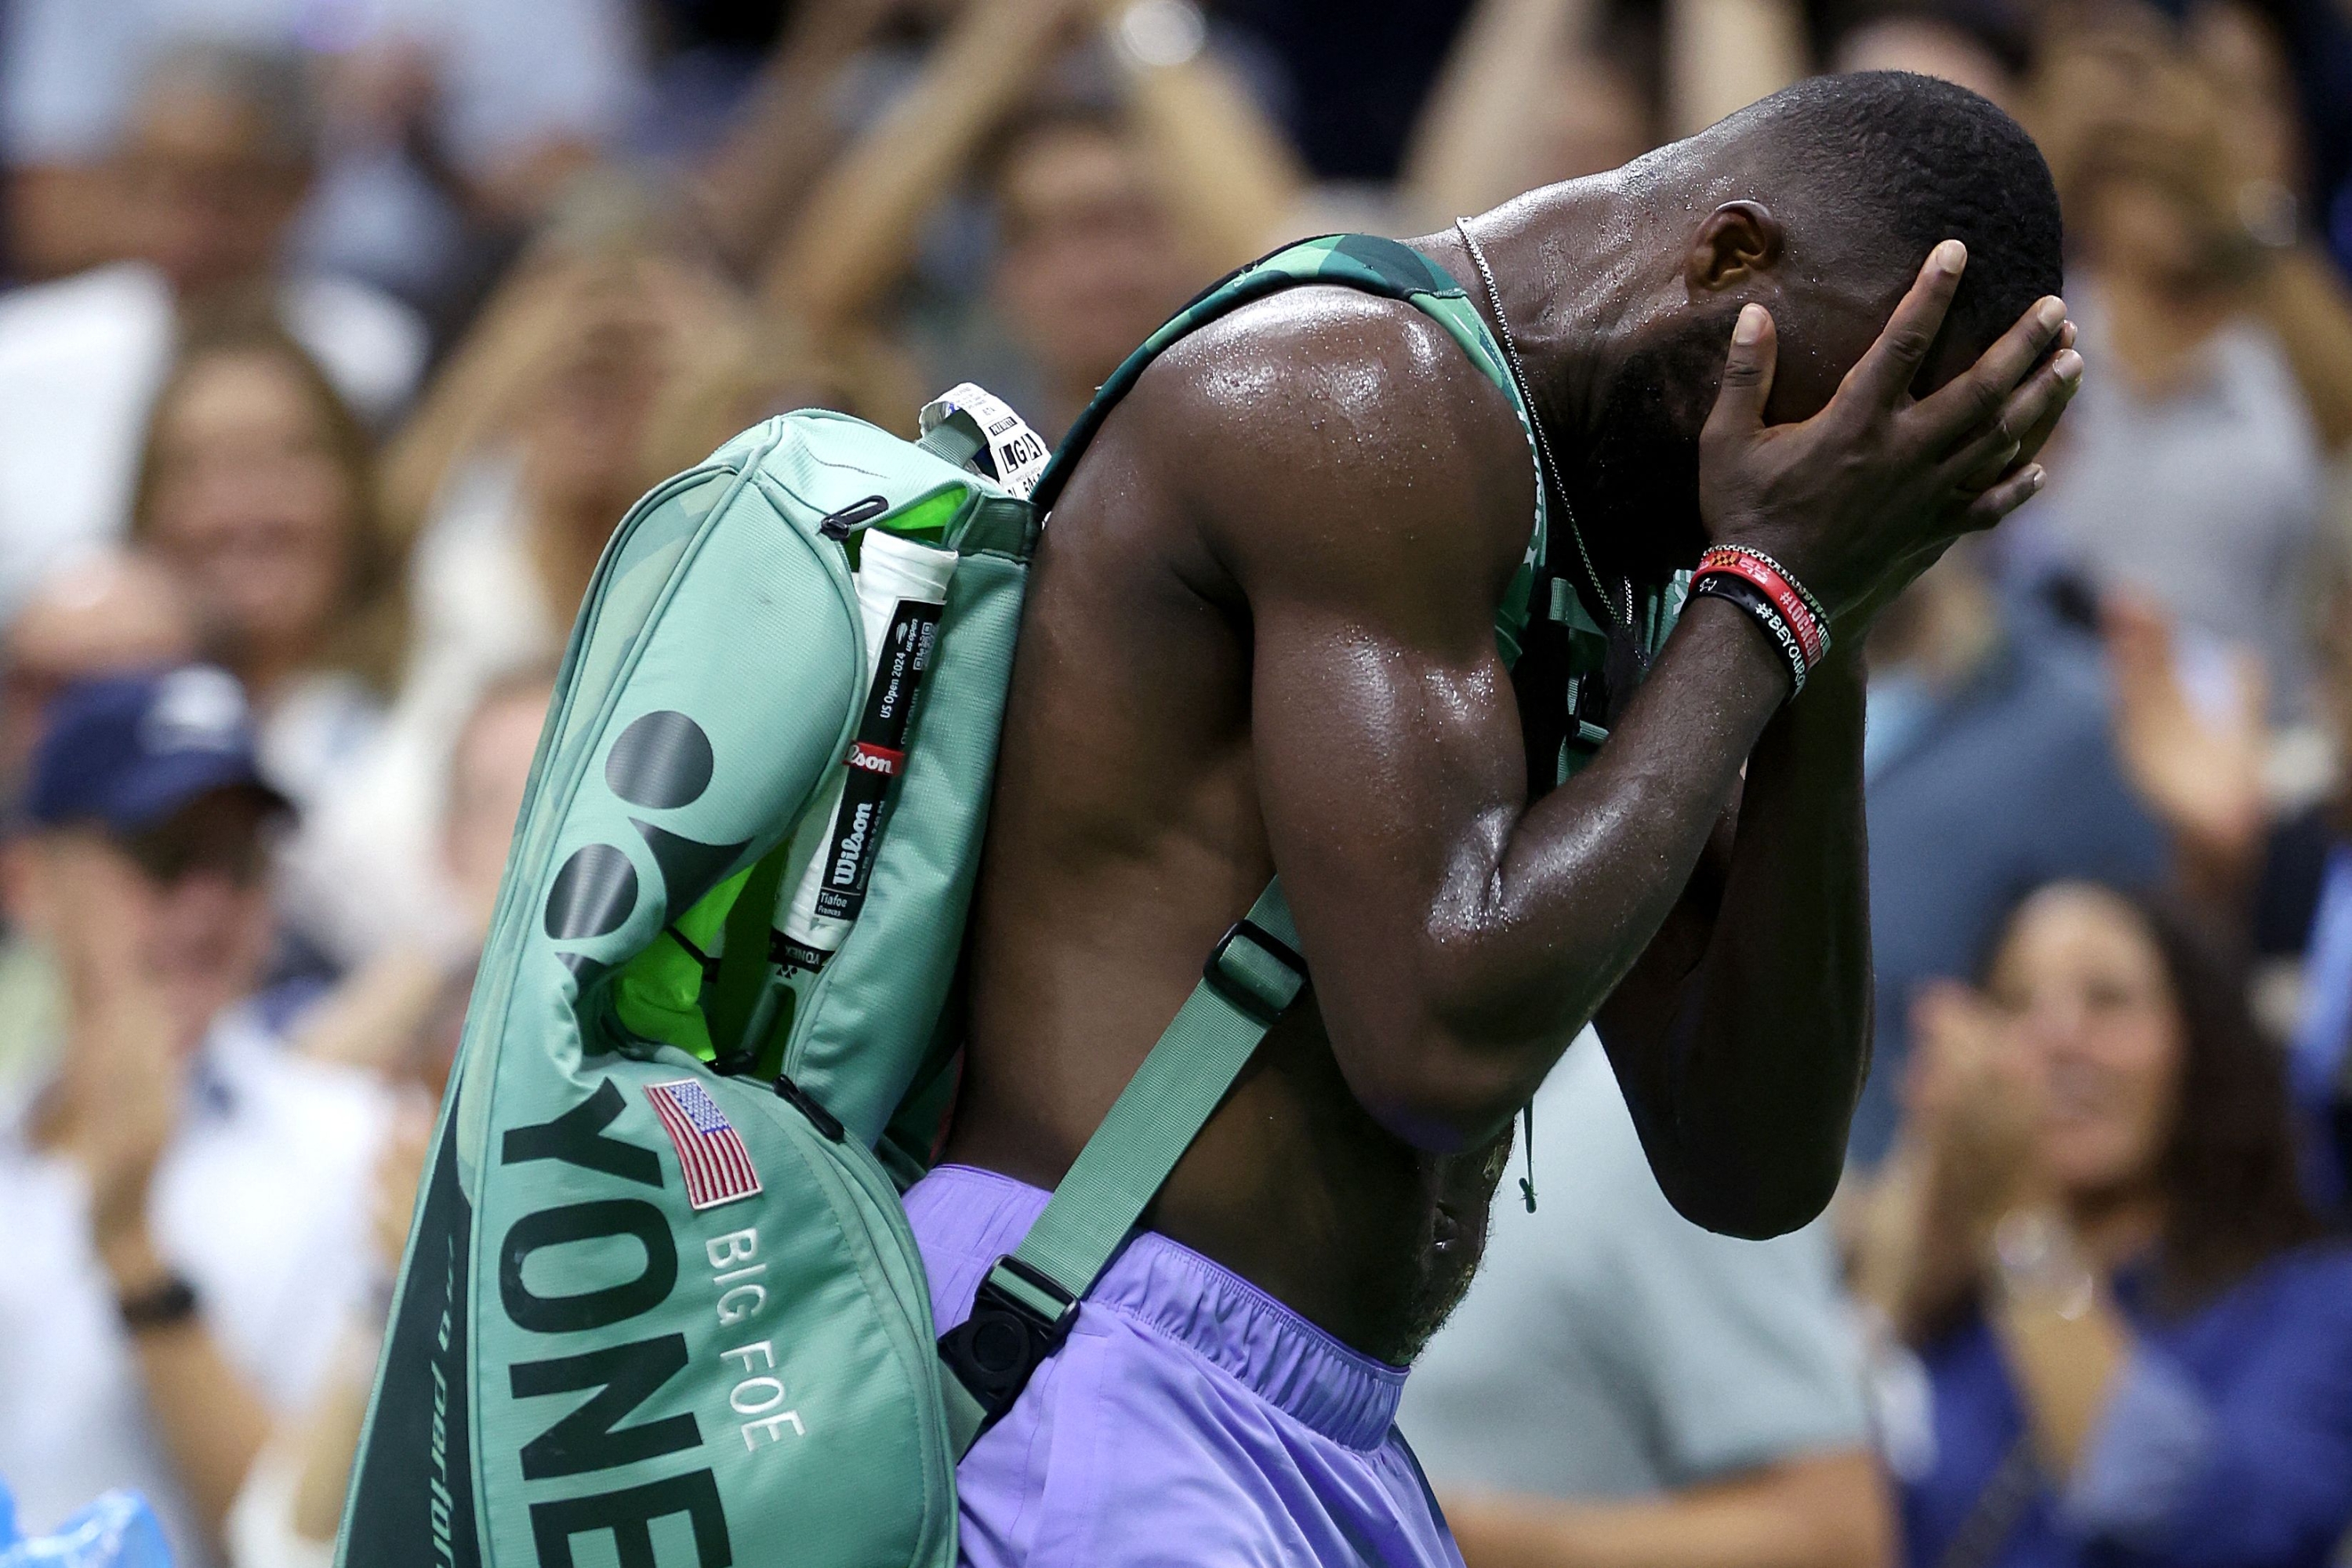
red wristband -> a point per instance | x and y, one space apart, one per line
1796 605
1811 603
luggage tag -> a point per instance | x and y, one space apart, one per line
1016 453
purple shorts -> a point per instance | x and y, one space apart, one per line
1190 1418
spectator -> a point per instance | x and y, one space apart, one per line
453 125
2311 855
1621 1387
1930 44
2190 469
791 123
1111 212
1087 260
217 158
1989 767
436 112
399 1017
104 614
489 768
774 368
2277 251
531 445
287 1511
2255 850
2190 729
257 491
2135 1347
1535 90
184 1201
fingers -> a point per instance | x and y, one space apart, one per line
1882 376
2003 498
1746 374
2038 434
2029 414
1974 396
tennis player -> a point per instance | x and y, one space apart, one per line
1799 352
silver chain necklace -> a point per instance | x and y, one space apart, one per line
1543 445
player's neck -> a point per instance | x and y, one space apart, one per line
1566 260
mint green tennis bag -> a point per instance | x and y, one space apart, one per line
661 1304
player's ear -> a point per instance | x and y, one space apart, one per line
1732 245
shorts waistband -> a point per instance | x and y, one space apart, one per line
1170 1291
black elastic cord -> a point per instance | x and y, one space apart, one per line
708 962
1528 1181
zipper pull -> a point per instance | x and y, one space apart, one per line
1528 1181
801 1099
840 525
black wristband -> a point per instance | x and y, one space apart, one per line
1736 590
171 1301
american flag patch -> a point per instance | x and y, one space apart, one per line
709 1150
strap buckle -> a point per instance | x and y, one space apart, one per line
1260 995
994 1352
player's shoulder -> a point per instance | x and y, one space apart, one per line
1329 442
1330 349
1351 394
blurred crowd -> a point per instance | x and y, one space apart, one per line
339 335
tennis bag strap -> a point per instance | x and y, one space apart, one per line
1026 1306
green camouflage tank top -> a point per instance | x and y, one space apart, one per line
1546 633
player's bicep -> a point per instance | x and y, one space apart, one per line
1389 771
1369 497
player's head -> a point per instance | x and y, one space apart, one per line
1820 203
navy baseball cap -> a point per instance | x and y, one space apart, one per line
127 751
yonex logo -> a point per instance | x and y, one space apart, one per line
632 1271
662 761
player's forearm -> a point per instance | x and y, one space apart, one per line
1538 919
1748 1114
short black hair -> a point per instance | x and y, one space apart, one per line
1910 160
